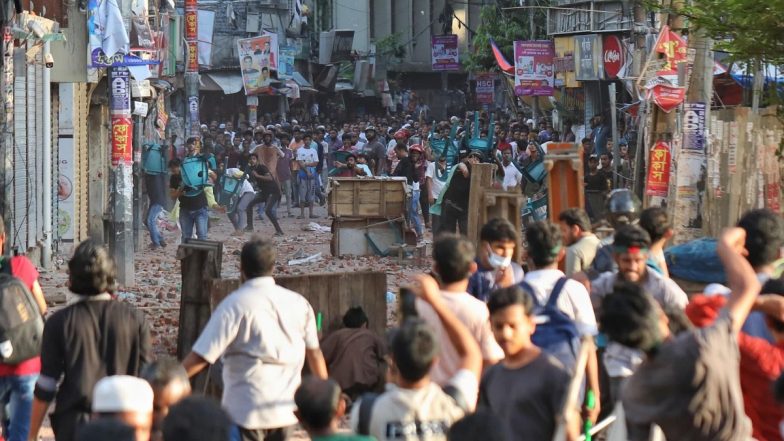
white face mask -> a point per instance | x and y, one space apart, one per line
496 261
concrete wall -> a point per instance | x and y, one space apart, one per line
354 14
70 56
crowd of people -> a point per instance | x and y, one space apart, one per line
290 162
484 347
523 335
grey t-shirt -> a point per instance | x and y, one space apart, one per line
527 399
690 388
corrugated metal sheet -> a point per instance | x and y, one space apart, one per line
27 220
81 109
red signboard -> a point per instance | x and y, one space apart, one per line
122 139
658 181
613 55
193 57
667 97
191 25
674 47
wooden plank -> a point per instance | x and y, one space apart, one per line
482 176
564 165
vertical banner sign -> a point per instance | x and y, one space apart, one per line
286 62
254 56
658 181
534 70
443 53
192 67
674 49
253 109
694 126
65 191
485 88
587 57
120 109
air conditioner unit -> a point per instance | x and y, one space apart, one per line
325 46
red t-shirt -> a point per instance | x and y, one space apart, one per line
22 268
760 365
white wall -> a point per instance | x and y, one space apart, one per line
354 14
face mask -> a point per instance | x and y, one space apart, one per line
497 261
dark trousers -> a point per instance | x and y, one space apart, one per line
281 434
424 202
453 218
66 424
270 202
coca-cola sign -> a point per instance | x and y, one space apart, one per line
613 55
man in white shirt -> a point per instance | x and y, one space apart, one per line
264 333
414 407
454 263
545 251
307 156
246 195
511 174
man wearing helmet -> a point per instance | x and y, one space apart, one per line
623 208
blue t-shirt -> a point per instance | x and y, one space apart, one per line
482 282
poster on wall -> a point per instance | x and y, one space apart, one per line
694 126
274 57
65 190
587 57
286 62
443 52
254 54
658 182
534 70
485 88
122 139
120 83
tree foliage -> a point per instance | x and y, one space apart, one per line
750 30
503 26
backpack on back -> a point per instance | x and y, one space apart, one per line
21 324
556 333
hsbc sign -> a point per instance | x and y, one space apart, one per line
613 56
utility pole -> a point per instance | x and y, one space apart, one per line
121 237
192 68
532 25
640 30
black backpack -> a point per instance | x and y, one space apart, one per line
21 324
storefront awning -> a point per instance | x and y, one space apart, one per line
226 82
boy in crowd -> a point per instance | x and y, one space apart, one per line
576 229
127 399
654 220
701 399
320 408
547 285
495 268
414 403
528 387
307 160
197 419
453 265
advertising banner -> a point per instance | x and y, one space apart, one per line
674 49
99 59
443 51
254 54
192 63
534 71
587 56
191 25
658 181
120 83
122 139
694 126
286 62
667 97
613 56
563 62
485 88
274 57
